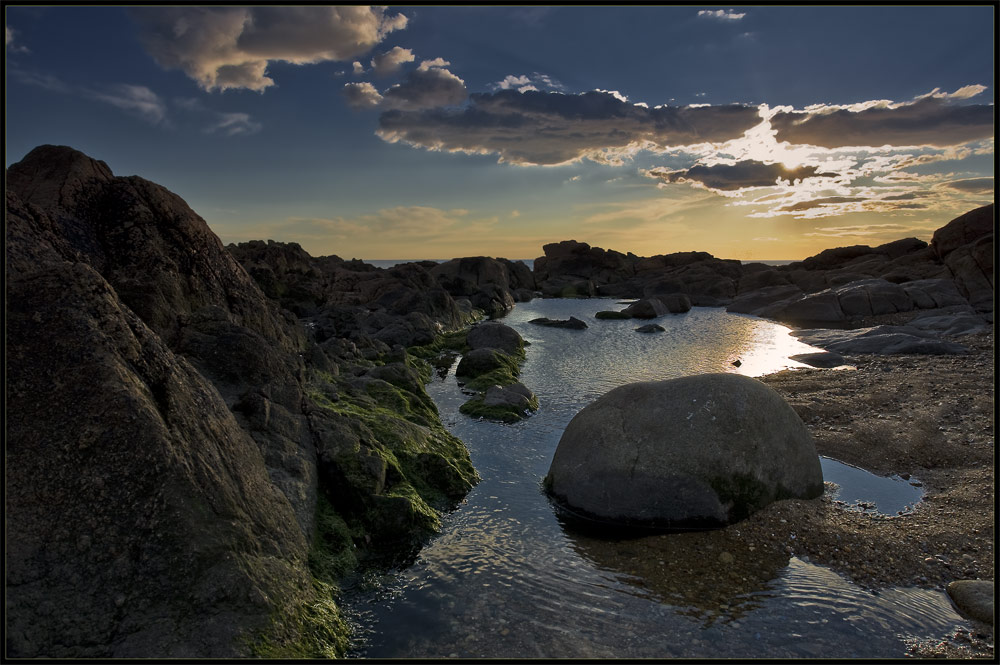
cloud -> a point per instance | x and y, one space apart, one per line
972 185
931 120
362 95
358 68
523 83
9 44
548 128
428 86
730 177
230 47
891 231
407 223
39 80
816 203
219 122
721 14
390 62
135 99
232 124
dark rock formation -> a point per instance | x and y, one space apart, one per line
882 340
495 335
185 461
484 281
700 451
572 323
650 328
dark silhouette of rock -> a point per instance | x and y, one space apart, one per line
496 335
646 308
483 280
650 328
572 323
824 359
175 439
700 451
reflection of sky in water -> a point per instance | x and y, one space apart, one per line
860 489
505 580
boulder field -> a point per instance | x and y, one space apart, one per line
695 452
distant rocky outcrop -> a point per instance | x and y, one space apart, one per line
572 323
842 287
185 460
696 452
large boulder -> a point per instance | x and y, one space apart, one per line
646 308
696 452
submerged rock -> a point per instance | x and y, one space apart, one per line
650 328
696 452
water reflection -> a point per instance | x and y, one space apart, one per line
706 575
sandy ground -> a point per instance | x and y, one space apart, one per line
926 418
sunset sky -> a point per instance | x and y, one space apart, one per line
751 132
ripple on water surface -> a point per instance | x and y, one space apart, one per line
505 579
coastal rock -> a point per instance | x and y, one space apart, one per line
572 323
495 335
610 314
699 451
963 230
964 321
676 303
879 340
650 328
974 598
824 359
972 266
757 300
483 280
481 361
646 308
515 395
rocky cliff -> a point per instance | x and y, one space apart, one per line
188 468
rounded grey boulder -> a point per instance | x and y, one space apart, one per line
695 452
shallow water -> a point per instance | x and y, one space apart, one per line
506 579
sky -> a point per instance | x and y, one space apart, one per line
751 132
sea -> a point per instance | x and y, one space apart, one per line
388 263
506 578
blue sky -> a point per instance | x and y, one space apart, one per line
751 132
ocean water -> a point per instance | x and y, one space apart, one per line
507 579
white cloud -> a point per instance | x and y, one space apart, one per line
721 14
9 44
219 122
362 95
135 99
523 83
390 62
230 47
232 124
358 67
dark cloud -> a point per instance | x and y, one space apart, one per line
928 121
230 47
535 127
973 185
727 177
428 86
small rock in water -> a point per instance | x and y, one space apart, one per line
737 362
